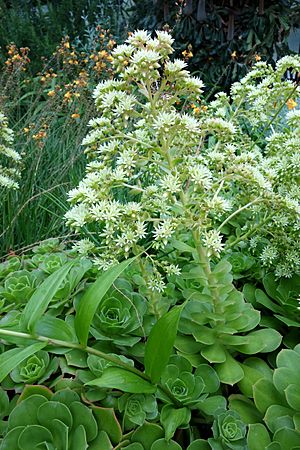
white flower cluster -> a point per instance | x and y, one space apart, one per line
158 172
9 158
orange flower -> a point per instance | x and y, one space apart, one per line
257 58
291 104
67 95
187 53
75 116
51 93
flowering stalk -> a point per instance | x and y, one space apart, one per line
161 169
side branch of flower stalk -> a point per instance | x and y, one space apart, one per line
253 202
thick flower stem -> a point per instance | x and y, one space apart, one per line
203 259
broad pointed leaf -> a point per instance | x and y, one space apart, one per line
160 343
41 298
124 380
12 358
90 301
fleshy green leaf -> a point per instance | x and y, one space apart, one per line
292 394
160 343
199 444
54 328
10 359
172 418
289 439
162 444
90 301
230 371
264 340
118 378
41 298
245 408
147 434
258 437
265 395
108 422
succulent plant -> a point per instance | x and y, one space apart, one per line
186 387
51 421
120 314
229 432
12 264
35 369
137 408
19 286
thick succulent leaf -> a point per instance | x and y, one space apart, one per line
230 371
4 403
212 404
163 444
54 410
160 343
199 444
147 434
276 416
292 395
288 439
83 416
33 437
245 408
12 358
60 434
25 413
264 300
210 377
91 299
41 298
172 418
78 439
122 379
215 353
251 376
107 421
265 395
283 377
101 442
264 340
289 358
11 439
30 390
258 437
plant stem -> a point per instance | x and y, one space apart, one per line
237 212
91 351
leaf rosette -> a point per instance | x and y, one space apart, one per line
137 408
35 369
230 431
19 286
119 317
10 265
53 421
185 386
